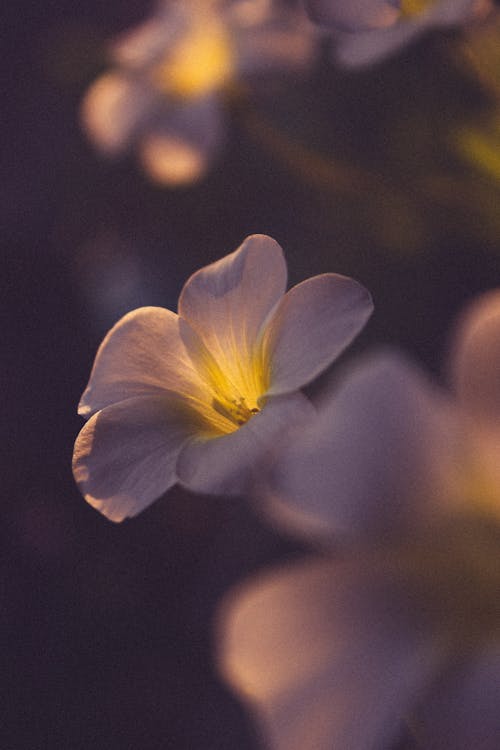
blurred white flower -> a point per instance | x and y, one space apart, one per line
198 397
396 631
369 30
163 95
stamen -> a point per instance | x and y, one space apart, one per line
236 410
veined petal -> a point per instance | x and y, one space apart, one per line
475 360
179 146
313 324
352 15
371 461
125 455
327 654
229 464
227 303
143 354
462 711
114 110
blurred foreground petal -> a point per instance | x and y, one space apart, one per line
315 651
339 477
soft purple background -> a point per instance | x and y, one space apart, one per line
106 630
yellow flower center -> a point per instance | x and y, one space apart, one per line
237 389
414 8
201 62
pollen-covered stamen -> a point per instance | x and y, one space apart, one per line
236 410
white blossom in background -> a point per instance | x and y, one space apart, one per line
163 95
366 31
395 631
198 397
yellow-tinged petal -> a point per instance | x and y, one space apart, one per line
227 303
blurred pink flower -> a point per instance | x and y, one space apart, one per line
395 631
369 30
163 95
199 396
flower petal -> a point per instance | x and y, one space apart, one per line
475 360
114 109
373 45
179 146
229 464
313 324
372 459
142 354
326 654
148 42
286 42
227 303
124 457
352 15
451 12
462 712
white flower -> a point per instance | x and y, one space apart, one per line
163 97
199 396
369 30
395 633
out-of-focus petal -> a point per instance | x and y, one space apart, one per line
451 12
371 462
146 43
114 109
125 455
462 712
142 355
248 13
327 656
275 47
352 15
312 325
230 464
370 46
179 146
475 358
227 303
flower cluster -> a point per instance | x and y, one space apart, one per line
163 95
370 30
394 630
388 634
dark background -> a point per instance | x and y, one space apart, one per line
106 629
